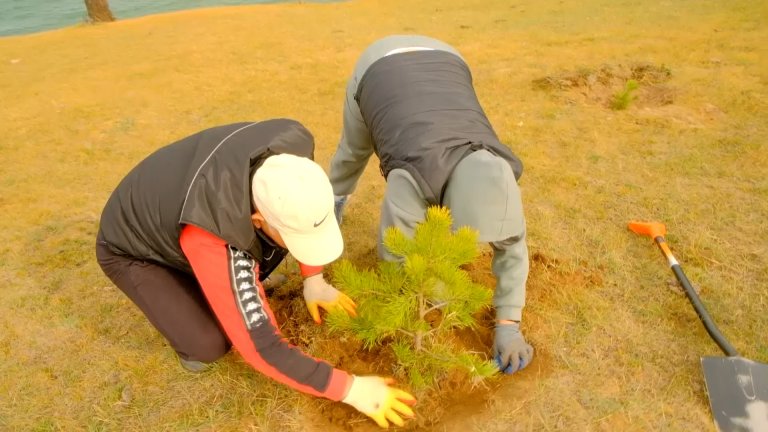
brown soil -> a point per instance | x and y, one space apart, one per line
601 84
454 401
435 406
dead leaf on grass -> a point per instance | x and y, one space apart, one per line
126 396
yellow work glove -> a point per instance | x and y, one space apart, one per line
320 294
372 396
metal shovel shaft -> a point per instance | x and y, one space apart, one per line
701 311
656 231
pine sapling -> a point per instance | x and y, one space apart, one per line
413 305
622 99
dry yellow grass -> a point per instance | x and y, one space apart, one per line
616 348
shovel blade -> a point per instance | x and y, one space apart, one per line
738 393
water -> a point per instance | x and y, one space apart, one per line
29 16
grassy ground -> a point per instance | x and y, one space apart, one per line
617 348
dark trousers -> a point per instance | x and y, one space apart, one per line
172 301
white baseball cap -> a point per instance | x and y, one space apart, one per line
295 197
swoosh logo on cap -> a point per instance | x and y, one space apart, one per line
317 224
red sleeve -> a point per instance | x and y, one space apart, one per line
229 280
308 270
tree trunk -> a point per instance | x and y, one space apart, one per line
420 334
98 11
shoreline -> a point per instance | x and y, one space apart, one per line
77 17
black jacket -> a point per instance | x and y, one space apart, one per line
424 117
204 180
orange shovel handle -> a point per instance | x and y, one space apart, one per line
656 231
650 229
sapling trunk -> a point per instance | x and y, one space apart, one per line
420 333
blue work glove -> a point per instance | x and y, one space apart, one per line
339 201
510 349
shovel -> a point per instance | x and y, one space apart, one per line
737 386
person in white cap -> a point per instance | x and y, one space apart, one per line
411 101
193 230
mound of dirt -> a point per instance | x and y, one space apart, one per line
601 85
